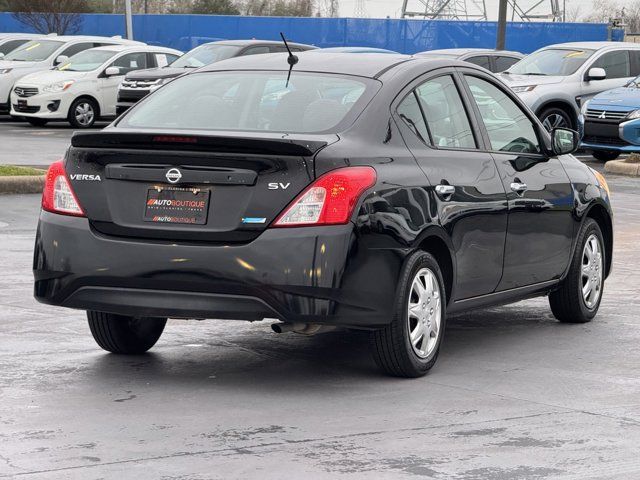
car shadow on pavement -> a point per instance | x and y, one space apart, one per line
268 362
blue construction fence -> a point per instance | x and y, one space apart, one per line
402 35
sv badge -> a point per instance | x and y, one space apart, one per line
278 186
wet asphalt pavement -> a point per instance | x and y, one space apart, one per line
515 395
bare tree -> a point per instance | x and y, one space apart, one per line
45 16
328 8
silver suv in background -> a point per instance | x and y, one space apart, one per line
556 81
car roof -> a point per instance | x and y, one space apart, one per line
354 50
145 48
94 38
464 51
369 65
253 41
595 45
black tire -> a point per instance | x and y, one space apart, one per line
123 334
555 117
37 122
82 122
605 155
392 348
567 302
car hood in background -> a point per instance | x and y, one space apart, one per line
514 80
48 77
618 97
13 64
156 73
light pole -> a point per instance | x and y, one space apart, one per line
502 25
128 19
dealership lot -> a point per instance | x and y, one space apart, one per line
514 395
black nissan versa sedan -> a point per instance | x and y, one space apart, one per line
379 192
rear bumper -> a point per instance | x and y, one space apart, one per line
320 275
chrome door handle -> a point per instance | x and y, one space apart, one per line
519 187
445 190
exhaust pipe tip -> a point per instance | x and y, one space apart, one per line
281 327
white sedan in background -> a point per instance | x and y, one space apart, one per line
84 88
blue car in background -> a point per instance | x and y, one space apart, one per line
610 122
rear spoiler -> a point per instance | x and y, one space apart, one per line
260 144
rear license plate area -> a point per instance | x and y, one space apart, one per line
177 205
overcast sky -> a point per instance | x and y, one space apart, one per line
392 8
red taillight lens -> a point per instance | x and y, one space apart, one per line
57 196
329 200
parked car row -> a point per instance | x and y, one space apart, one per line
81 79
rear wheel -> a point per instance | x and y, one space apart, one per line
37 122
605 155
409 345
578 298
555 118
83 113
124 334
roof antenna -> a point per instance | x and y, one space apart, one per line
291 59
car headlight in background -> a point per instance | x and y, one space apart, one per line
633 115
523 89
58 87
5 70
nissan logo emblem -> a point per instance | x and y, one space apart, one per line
173 175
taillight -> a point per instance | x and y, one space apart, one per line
57 195
329 200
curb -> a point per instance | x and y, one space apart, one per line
22 184
623 168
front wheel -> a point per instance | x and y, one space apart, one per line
124 334
409 345
83 113
605 155
578 298
555 118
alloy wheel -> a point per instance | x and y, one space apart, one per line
424 314
591 271
554 120
84 113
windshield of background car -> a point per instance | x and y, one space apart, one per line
34 51
204 55
87 60
253 101
552 61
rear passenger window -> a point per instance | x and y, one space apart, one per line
616 64
504 63
482 61
508 127
446 116
409 111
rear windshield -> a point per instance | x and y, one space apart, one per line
204 55
252 101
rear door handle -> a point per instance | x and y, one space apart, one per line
445 191
519 187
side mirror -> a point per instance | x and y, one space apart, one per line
112 71
596 74
60 59
564 141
